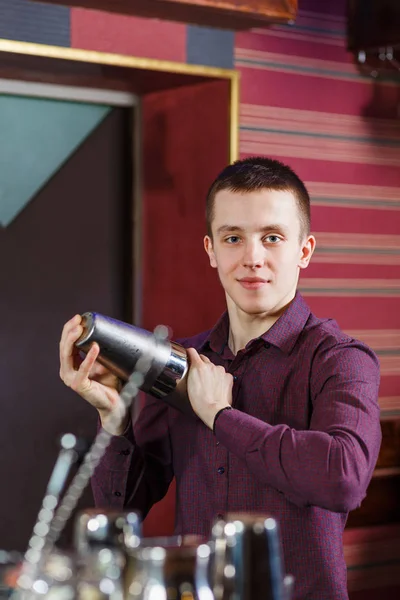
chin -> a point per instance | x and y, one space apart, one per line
256 308
266 303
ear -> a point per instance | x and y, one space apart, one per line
208 246
307 249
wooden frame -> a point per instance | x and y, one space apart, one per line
120 61
226 14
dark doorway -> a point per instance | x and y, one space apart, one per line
69 251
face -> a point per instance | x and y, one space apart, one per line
256 247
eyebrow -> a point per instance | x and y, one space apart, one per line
230 228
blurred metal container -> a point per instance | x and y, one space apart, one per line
168 573
96 528
102 539
247 559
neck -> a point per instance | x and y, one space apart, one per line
244 327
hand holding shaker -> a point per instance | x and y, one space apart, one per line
122 345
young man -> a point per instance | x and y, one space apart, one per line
287 403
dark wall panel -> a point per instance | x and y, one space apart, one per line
65 253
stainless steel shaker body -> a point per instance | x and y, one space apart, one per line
122 346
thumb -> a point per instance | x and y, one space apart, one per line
194 357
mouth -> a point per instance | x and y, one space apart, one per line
252 283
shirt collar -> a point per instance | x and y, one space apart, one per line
286 330
218 336
283 334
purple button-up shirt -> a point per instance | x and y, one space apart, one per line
300 445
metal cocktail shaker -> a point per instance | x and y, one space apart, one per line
121 347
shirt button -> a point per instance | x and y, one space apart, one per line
117 494
221 470
267 345
235 378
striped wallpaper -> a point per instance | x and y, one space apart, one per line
305 102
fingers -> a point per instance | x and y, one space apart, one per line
205 359
81 377
197 359
69 325
89 361
71 332
90 380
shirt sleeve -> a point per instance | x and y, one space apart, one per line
136 470
330 464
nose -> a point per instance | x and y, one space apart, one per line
253 256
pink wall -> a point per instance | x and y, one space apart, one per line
305 102
120 34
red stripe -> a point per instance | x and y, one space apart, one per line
355 220
341 172
358 313
390 386
134 36
350 271
292 46
313 92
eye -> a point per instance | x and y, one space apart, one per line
272 239
232 239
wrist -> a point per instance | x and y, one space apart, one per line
217 415
114 422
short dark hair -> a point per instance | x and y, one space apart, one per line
257 173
